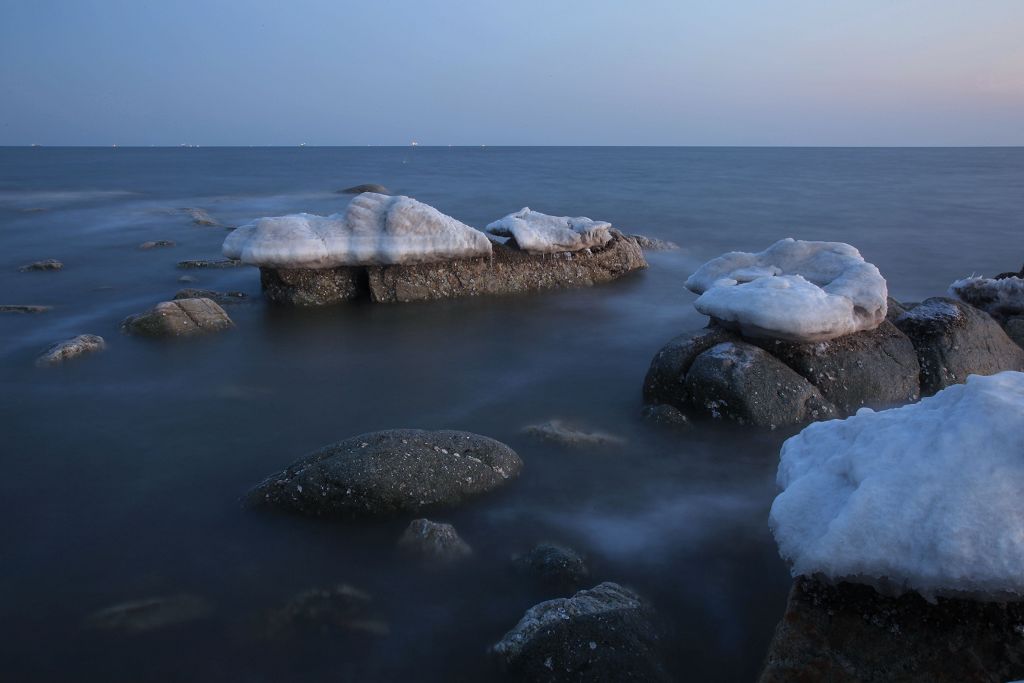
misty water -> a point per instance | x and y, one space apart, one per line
122 471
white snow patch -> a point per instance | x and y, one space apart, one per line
1003 297
796 290
374 229
540 233
926 497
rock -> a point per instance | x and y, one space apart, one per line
200 217
606 633
71 348
1015 330
339 609
366 187
182 317
48 264
553 566
24 308
1002 298
1003 276
666 378
653 244
149 614
666 415
557 432
186 278
894 309
219 297
433 542
507 271
210 263
156 244
953 340
389 472
875 368
850 633
741 382
539 233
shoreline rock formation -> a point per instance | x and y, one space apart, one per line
179 318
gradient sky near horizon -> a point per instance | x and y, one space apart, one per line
569 72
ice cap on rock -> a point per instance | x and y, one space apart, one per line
540 233
795 290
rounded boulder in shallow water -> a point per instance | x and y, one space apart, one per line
553 566
389 472
606 633
433 542
741 382
179 318
365 187
71 348
666 378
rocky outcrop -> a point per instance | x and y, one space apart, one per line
365 187
507 271
210 263
850 633
743 383
48 264
179 318
953 340
665 415
666 378
606 633
389 472
553 566
24 308
71 348
433 542
569 436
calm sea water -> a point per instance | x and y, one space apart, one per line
122 471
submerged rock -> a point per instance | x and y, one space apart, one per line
210 263
953 339
327 611
71 348
200 217
389 472
219 297
850 633
558 432
654 244
553 566
665 415
157 244
433 542
366 187
149 614
182 317
48 264
507 271
741 382
24 308
606 633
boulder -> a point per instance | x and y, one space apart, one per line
433 542
744 383
850 633
665 415
210 263
606 633
1015 330
309 287
220 297
71 348
666 378
874 368
1001 297
553 566
654 244
365 187
895 309
24 308
149 614
182 317
953 339
157 244
332 611
48 264
389 472
200 217
562 434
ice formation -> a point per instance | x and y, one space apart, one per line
924 497
540 233
795 290
1001 297
373 229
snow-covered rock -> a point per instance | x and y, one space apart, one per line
374 229
540 233
925 497
796 290
999 297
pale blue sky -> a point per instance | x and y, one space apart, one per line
659 72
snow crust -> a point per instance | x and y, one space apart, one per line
374 229
540 233
796 290
1002 298
926 497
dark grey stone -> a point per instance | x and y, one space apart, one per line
71 348
433 542
553 566
666 378
48 264
179 318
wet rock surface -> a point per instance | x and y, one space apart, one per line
365 187
665 415
507 271
570 436
389 472
851 633
220 297
1015 330
335 610
666 378
433 542
607 633
24 308
553 566
953 339
71 348
149 614
200 217
49 264
210 263
179 318
157 244
744 383
654 244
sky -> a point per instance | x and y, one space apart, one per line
512 72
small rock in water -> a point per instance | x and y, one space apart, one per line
157 243
327 611
187 279
71 348
434 542
653 244
553 566
182 317
149 614
219 297
210 263
664 414
562 434
200 217
23 308
366 187
48 264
